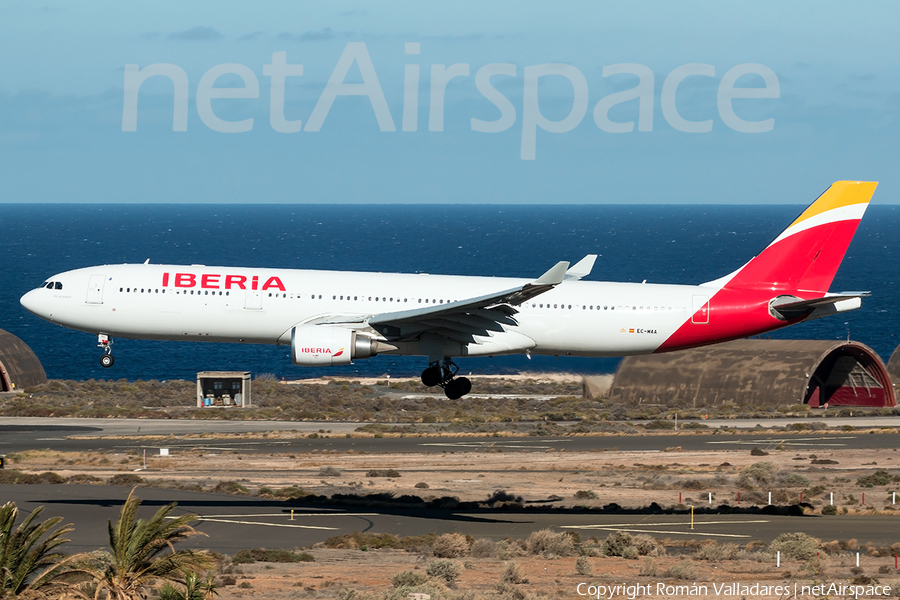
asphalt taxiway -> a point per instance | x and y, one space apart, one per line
232 523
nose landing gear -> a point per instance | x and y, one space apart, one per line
444 375
107 360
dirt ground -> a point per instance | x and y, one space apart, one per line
348 574
630 479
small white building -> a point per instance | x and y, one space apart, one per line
223 389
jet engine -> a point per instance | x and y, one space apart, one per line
324 346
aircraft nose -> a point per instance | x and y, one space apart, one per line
32 302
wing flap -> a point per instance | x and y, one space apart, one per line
464 319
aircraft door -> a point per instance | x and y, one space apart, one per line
700 314
253 300
95 289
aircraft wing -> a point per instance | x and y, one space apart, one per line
582 268
464 319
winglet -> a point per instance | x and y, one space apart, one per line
555 275
582 268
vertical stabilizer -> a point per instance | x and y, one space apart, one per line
806 256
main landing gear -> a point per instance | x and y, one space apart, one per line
444 375
107 360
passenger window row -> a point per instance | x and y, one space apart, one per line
608 307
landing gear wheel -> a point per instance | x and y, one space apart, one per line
107 360
454 390
457 388
432 376
444 374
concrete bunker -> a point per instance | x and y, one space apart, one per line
757 372
19 366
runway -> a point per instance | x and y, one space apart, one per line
233 523
71 435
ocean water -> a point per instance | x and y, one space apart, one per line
659 243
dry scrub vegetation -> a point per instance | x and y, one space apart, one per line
609 481
546 564
539 402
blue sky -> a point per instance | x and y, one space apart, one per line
62 98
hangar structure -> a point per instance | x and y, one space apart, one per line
893 366
19 366
755 372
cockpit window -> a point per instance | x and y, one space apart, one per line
57 286
49 286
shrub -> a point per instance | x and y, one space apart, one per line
451 545
586 495
829 509
682 570
291 491
756 474
244 557
14 476
329 472
616 542
447 570
482 548
583 566
422 485
513 574
550 544
879 477
647 545
504 591
715 552
230 487
408 579
125 479
383 473
799 546
794 480
648 567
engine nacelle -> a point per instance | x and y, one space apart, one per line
324 346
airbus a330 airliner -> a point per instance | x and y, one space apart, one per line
334 317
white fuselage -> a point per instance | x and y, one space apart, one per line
225 304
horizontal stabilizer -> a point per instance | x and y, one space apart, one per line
791 307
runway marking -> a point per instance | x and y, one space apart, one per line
499 444
659 531
674 523
818 441
289 525
213 519
639 528
288 515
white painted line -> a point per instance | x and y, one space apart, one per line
788 441
267 524
674 523
664 532
288 515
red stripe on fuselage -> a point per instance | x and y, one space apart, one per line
801 265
